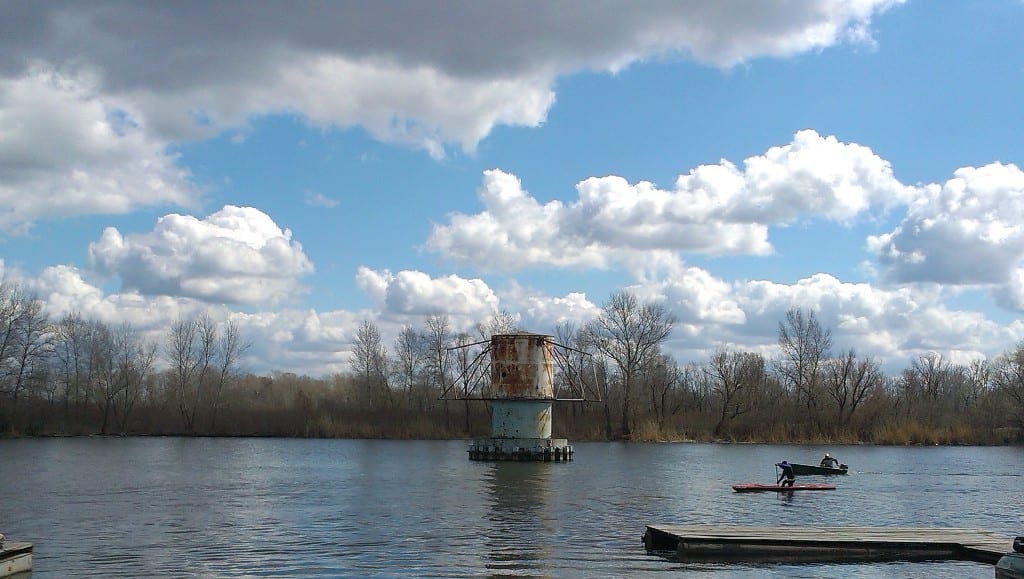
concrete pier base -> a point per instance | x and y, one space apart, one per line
523 449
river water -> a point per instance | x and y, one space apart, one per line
198 507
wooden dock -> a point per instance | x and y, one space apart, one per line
15 558
789 543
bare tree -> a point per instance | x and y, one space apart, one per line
48 383
601 372
408 363
133 365
369 359
464 356
182 351
438 334
805 344
663 377
206 332
849 381
25 345
930 382
230 348
567 333
203 358
591 377
932 374
439 338
501 323
1008 378
12 315
629 333
32 344
106 383
71 351
696 385
976 383
734 378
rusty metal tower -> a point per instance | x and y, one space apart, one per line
521 375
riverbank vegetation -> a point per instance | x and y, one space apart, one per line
75 376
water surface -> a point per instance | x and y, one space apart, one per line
197 507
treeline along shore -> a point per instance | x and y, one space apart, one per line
75 377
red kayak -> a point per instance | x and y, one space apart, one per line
758 487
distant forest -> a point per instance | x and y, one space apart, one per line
76 377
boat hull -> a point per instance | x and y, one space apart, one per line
1010 566
811 470
15 558
759 488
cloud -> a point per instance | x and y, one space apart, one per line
66 150
314 199
542 313
415 293
290 340
714 209
514 231
966 232
237 255
65 290
893 326
1010 295
93 94
695 296
300 341
198 68
813 176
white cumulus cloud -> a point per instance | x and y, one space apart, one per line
893 326
968 231
67 150
714 209
416 293
237 255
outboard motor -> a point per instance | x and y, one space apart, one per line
1018 544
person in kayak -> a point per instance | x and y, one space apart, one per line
829 462
788 477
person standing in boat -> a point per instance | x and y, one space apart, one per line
828 462
788 477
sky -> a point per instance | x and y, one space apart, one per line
299 168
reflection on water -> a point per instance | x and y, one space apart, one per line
520 517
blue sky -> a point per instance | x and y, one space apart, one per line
301 168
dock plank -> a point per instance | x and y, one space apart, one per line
827 543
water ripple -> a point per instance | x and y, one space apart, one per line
311 508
